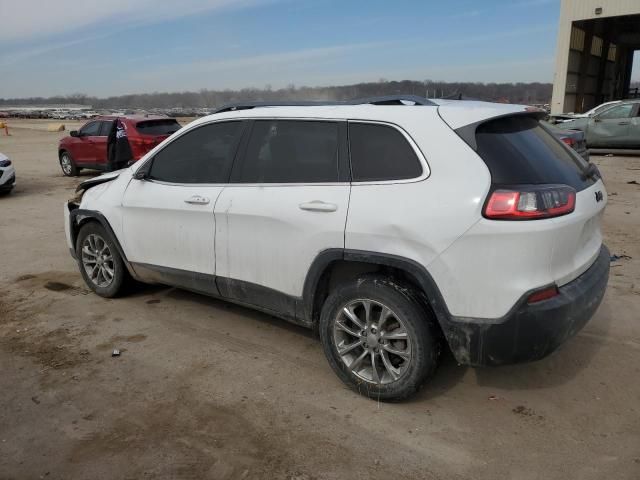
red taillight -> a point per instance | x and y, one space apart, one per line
530 203
544 294
569 141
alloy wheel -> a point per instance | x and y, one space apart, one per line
97 260
372 341
65 163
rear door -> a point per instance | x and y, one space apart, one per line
287 203
168 219
611 128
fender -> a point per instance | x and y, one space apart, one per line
414 269
79 216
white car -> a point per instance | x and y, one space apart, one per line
567 117
7 174
394 230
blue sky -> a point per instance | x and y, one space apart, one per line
122 46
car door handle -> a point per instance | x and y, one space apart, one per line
624 123
197 200
318 206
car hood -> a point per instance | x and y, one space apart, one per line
577 124
92 182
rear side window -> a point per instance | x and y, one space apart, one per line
291 151
517 150
203 155
158 127
381 152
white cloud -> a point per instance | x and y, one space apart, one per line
27 20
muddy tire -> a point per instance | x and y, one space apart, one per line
67 165
100 264
379 338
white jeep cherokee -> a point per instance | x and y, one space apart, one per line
392 229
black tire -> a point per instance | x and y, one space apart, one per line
68 169
423 340
120 276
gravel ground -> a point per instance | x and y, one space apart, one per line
204 389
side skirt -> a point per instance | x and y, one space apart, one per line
239 292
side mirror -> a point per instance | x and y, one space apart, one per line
596 119
74 133
141 174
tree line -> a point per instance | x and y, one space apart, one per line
524 93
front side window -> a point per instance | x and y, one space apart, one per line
381 152
91 129
203 155
291 151
620 111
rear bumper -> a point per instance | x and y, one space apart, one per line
530 332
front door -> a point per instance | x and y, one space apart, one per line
287 203
610 128
168 219
84 149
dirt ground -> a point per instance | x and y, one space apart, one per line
203 389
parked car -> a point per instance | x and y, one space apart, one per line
394 230
565 117
574 139
616 127
87 147
7 174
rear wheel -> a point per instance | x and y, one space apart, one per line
101 265
378 338
68 165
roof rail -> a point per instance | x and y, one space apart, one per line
384 100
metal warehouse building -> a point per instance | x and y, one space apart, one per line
596 43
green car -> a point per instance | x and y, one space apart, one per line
616 127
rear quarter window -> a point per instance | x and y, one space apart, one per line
158 127
381 152
519 151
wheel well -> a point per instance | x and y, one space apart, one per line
341 271
60 152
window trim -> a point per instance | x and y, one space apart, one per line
426 171
344 149
148 163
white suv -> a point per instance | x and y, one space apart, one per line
392 229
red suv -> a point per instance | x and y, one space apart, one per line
87 147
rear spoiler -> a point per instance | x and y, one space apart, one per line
468 132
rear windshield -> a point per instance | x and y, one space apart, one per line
518 150
158 127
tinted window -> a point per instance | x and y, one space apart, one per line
158 127
203 155
290 151
105 129
517 150
620 111
90 129
380 152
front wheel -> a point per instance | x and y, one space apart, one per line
379 339
101 265
68 165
